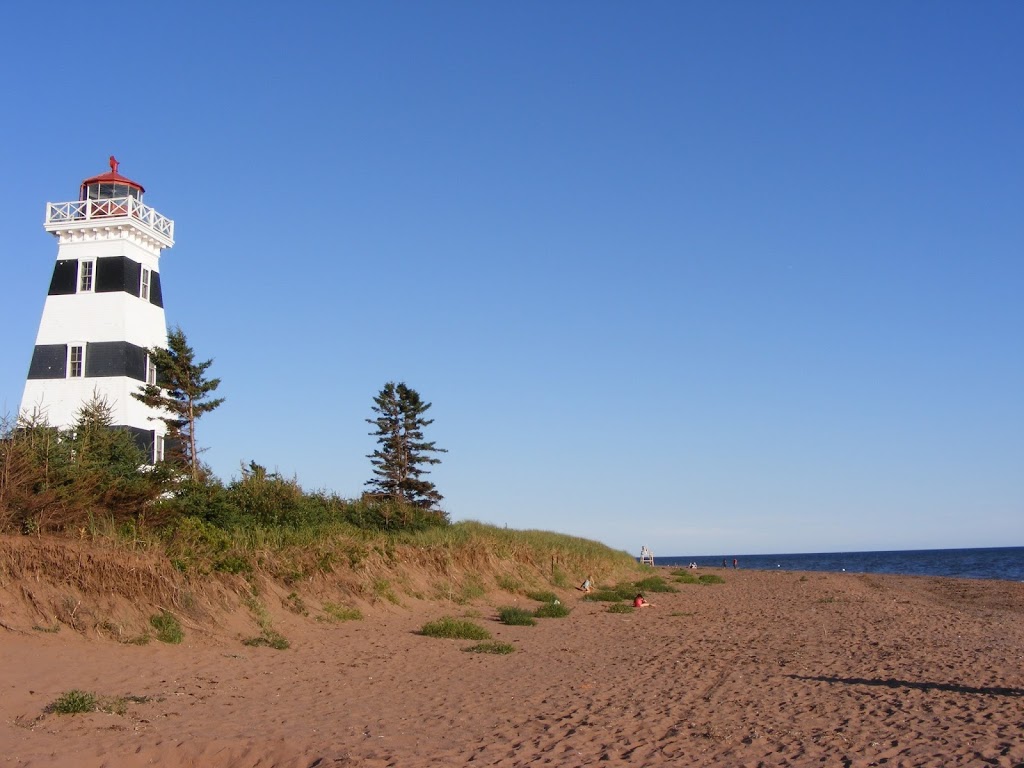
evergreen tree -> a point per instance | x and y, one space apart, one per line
402 451
182 392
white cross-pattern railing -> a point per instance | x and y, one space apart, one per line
85 210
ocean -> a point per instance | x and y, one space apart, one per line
988 563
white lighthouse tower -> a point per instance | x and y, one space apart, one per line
103 310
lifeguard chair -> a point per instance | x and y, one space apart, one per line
646 556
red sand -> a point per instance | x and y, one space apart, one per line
768 669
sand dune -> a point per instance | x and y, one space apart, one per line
768 669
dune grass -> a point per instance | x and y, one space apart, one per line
335 612
516 616
73 702
457 629
168 628
491 646
552 611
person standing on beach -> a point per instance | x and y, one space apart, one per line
735 563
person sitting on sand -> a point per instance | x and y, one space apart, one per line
639 602
587 585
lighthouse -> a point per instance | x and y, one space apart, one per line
103 310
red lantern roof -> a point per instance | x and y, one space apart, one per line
113 177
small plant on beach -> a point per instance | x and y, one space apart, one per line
559 577
551 611
542 597
516 616
491 646
473 589
710 578
341 612
456 629
685 577
167 626
610 595
509 584
270 638
653 584
382 590
73 702
296 604
620 608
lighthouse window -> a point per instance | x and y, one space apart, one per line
85 278
144 288
76 362
158 449
150 370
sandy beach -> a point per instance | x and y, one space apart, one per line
767 669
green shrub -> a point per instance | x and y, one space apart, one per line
516 616
491 646
509 584
710 578
270 639
542 597
612 595
621 608
685 577
653 584
73 702
167 626
342 612
458 629
551 611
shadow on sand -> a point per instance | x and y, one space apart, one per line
891 683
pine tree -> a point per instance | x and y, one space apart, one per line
182 392
402 451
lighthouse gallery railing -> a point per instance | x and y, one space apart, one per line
79 210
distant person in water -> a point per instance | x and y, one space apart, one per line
639 602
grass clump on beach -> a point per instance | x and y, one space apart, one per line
621 608
337 612
168 628
553 610
456 629
543 597
653 584
73 702
516 616
268 636
688 577
491 646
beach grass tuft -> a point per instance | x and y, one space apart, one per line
653 584
516 616
335 612
710 578
491 646
542 597
621 608
73 702
456 629
168 628
552 611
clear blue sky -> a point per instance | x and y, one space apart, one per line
716 278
